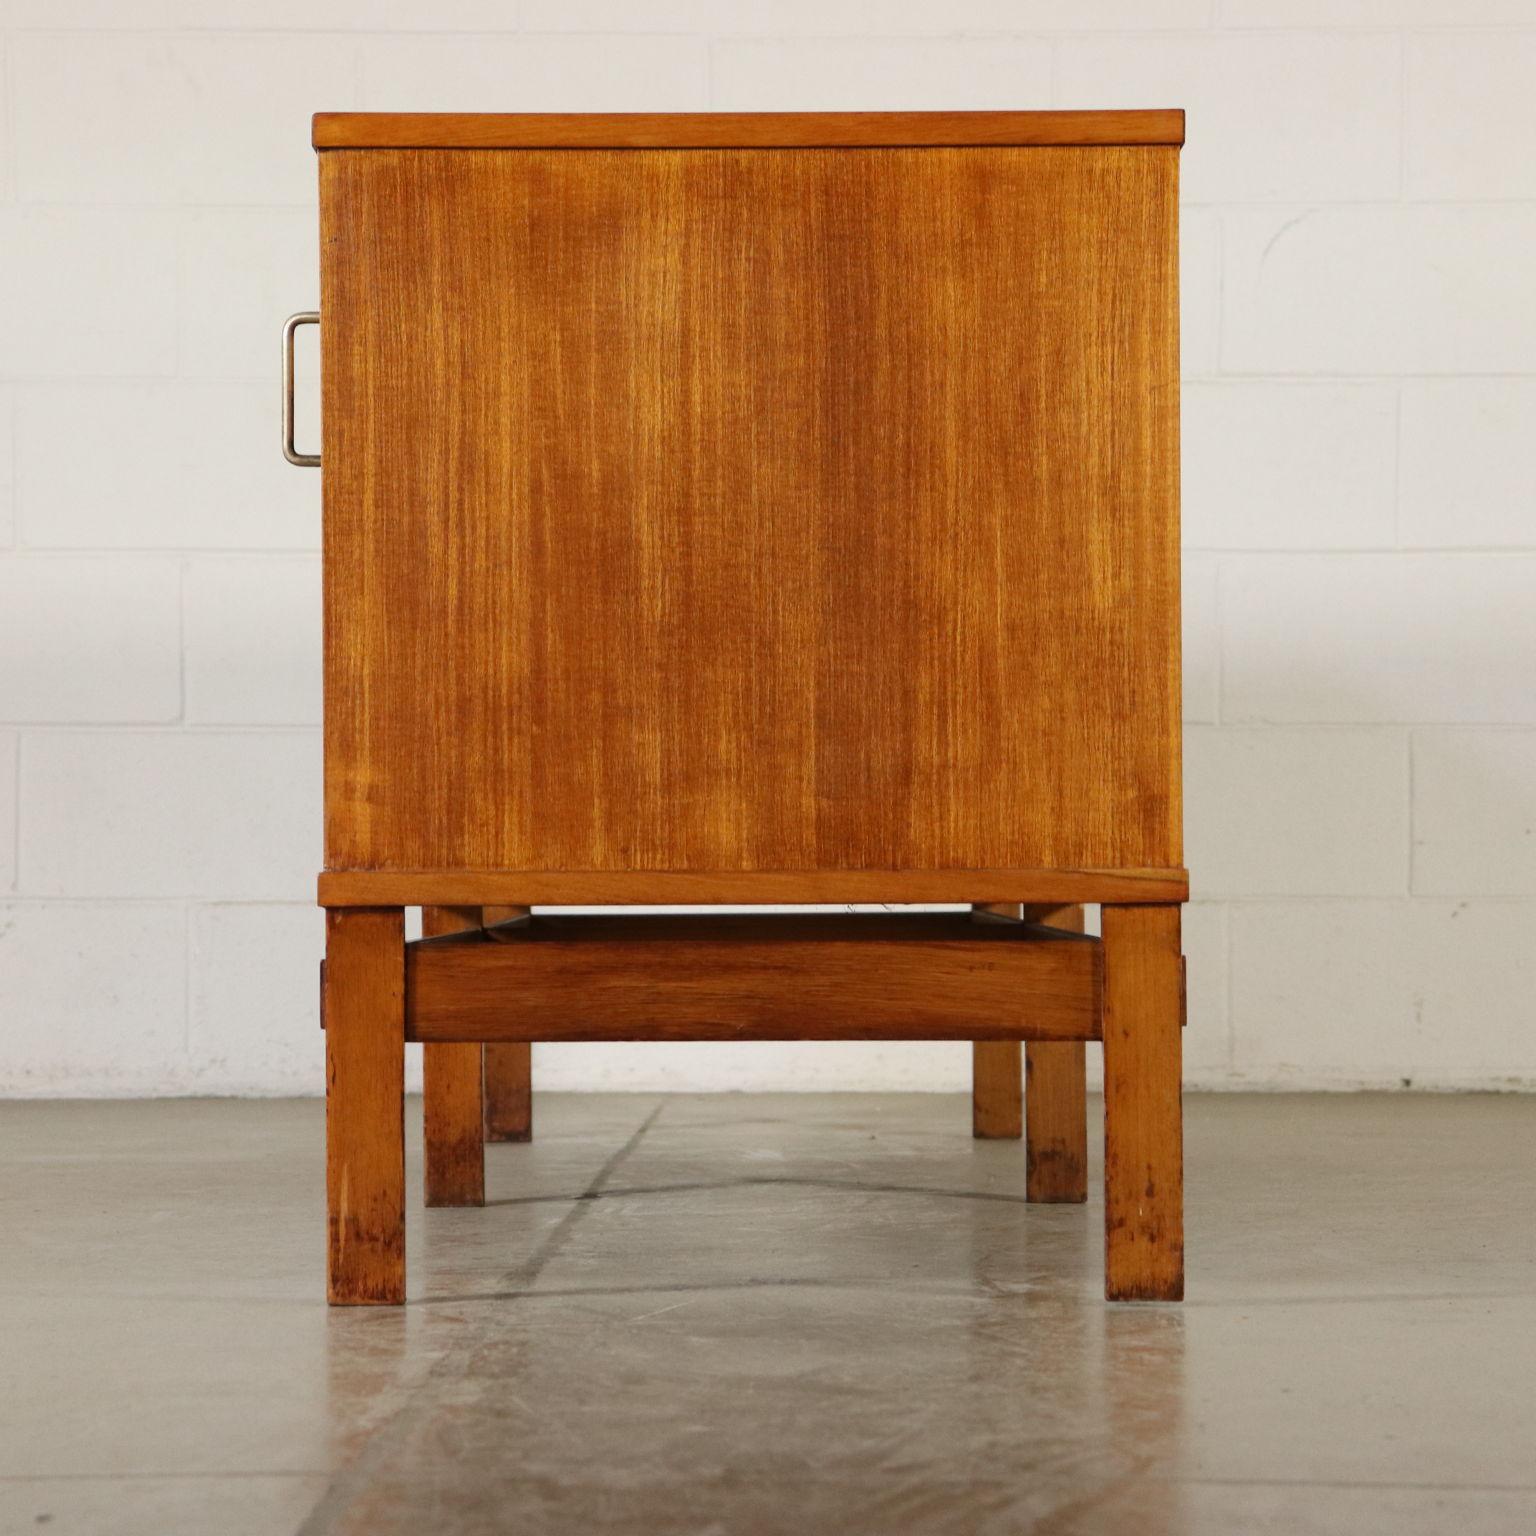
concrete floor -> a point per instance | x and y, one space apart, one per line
755 1314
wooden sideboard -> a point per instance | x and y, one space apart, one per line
751 508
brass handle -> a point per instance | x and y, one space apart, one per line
292 454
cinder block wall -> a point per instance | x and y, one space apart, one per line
1360 501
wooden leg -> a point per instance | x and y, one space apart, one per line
452 1079
509 1092
1052 1088
508 1070
1143 1115
1056 1101
365 1105
997 1096
997 1066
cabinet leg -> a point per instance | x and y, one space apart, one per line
509 1092
1056 1121
453 1116
997 1066
508 1070
1056 1100
1143 1113
365 1105
997 1090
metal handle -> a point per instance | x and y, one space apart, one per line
292 454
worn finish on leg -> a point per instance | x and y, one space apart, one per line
997 1066
1143 1114
453 1115
508 1069
509 1091
997 1090
365 1105
1056 1101
1041 1092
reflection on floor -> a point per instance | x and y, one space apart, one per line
759 1314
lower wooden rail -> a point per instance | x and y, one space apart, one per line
603 888
875 976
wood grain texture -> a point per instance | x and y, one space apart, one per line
997 1090
558 888
997 1066
1143 1113
739 130
496 917
453 1095
1056 1100
509 1091
508 1067
364 1106
750 512
780 977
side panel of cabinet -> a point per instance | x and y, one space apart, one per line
751 509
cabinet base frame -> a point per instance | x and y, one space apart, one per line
899 976
468 986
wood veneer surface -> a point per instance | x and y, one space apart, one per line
741 510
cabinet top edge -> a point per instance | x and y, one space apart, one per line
744 130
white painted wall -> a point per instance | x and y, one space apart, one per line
1360 346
